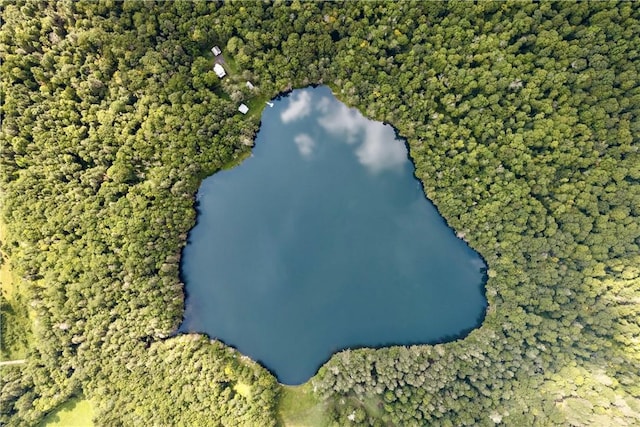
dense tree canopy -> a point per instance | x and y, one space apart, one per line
522 120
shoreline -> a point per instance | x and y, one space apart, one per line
446 339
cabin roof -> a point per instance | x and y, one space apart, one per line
219 70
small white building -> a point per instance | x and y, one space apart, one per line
250 85
219 70
216 50
243 109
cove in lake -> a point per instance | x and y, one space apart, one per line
323 240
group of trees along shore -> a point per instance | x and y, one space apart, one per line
522 120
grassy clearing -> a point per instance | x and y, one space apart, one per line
75 412
256 105
243 389
255 102
373 406
6 277
235 162
230 65
299 407
15 323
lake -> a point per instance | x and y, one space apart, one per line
323 240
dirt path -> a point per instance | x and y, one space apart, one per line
13 362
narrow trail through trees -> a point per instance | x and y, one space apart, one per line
13 362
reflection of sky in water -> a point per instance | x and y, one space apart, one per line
305 144
298 251
374 143
299 106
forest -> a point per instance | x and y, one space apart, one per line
522 120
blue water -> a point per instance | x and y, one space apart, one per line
323 240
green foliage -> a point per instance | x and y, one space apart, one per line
15 332
522 121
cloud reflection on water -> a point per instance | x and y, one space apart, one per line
376 145
305 144
377 150
299 107
380 149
